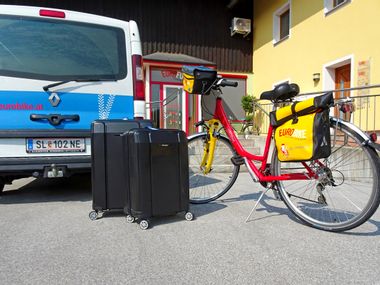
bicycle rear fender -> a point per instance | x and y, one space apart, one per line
365 137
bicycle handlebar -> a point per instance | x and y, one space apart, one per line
223 83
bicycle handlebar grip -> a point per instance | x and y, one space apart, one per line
228 83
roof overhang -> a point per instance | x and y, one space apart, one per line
175 59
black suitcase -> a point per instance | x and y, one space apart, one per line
159 174
108 176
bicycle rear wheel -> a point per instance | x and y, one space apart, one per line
205 188
350 194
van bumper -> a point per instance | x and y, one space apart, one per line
47 167
17 164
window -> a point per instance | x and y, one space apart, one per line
48 49
284 25
281 23
332 5
338 2
231 100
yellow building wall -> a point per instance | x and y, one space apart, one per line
351 31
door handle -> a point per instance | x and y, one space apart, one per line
54 119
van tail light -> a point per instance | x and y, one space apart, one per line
138 78
52 13
373 137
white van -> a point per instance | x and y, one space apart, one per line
59 71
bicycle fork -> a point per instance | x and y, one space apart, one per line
209 146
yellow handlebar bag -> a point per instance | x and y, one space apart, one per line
198 79
304 138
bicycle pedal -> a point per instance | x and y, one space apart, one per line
237 160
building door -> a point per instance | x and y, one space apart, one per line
172 107
192 110
342 81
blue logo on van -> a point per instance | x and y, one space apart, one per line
19 105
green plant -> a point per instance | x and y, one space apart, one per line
247 103
249 117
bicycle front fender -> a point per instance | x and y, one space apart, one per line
196 135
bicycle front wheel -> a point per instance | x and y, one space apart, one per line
346 192
205 188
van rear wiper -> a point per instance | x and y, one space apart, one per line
47 87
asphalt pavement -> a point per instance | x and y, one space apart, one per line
47 238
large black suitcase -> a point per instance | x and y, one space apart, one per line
108 176
159 174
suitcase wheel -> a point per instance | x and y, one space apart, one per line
93 215
144 224
130 219
189 216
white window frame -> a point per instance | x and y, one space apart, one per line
329 6
328 82
276 22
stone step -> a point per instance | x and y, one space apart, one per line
251 149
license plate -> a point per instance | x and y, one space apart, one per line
44 145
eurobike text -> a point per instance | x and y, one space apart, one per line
20 107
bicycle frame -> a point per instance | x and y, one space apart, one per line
258 174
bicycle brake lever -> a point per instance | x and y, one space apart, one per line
200 123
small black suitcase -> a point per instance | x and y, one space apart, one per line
159 174
108 176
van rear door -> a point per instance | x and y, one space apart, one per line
36 51
89 56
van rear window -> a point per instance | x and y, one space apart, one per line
48 49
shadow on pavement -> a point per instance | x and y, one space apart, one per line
197 210
272 210
276 211
75 188
204 209
263 206
375 232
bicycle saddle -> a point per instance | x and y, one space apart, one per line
281 92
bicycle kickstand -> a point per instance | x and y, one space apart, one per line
257 203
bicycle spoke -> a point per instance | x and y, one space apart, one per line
350 201
349 184
208 187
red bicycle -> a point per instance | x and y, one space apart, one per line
337 193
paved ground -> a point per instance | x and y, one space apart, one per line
47 238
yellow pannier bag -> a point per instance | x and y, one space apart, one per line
296 109
304 138
198 79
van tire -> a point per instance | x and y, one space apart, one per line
1 187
